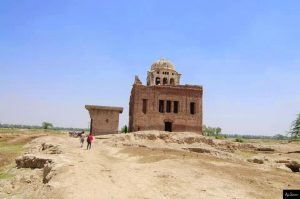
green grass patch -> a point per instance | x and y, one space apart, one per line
30 131
8 152
10 148
12 141
6 175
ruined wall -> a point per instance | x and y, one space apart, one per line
153 119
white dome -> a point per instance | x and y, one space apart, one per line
162 63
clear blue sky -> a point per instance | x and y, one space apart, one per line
57 56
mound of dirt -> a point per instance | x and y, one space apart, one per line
51 148
176 139
162 136
47 172
31 161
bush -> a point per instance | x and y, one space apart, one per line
239 139
47 125
124 129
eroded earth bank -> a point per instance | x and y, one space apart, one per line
153 165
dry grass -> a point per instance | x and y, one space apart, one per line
246 154
12 144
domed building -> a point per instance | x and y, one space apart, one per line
164 104
163 72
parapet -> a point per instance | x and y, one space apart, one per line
108 108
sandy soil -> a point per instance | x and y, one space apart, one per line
153 165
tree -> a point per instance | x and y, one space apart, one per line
295 130
218 131
280 137
124 129
210 131
47 125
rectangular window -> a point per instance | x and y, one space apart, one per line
145 106
175 110
168 106
161 106
192 108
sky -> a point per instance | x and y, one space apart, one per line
57 56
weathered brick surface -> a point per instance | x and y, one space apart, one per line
105 120
153 119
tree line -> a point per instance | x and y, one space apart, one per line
293 133
44 125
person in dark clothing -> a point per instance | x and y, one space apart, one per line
89 141
81 137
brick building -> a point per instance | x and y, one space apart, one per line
163 104
104 119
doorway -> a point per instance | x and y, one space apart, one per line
168 126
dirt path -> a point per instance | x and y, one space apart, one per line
111 172
114 169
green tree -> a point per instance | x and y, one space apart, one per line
295 130
218 131
47 125
210 131
124 129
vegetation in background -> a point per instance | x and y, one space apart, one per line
124 129
47 125
211 131
295 130
21 126
217 132
239 139
275 137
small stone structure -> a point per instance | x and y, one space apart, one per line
163 104
104 119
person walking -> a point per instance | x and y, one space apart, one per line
81 140
89 141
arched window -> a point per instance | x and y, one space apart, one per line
172 81
165 81
157 81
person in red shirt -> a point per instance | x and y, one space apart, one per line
89 141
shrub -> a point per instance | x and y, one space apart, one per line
295 130
47 125
124 129
239 139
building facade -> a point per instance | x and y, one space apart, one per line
104 119
163 104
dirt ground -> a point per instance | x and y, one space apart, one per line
156 165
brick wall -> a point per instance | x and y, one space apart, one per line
154 120
103 120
